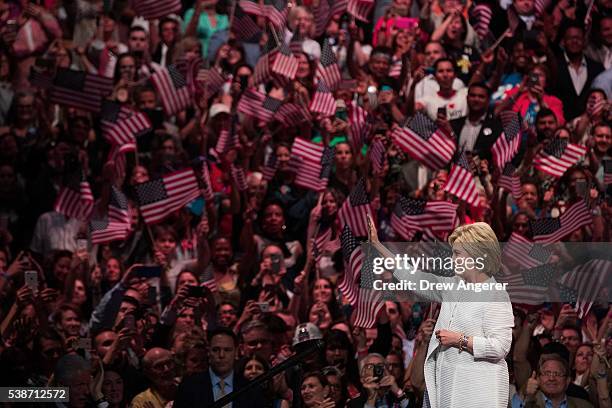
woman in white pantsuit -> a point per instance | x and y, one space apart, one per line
465 364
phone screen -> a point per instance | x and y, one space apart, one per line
151 271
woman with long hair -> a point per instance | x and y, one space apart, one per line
465 362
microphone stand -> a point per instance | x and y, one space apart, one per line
294 360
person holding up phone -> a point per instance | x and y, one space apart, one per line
379 384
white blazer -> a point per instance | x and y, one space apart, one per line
460 379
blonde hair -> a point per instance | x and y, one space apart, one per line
479 241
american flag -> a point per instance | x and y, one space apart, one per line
423 142
323 101
327 69
361 125
120 124
530 286
377 155
192 72
270 166
319 242
507 144
417 215
153 9
525 253
355 210
244 27
117 156
558 156
461 181
607 171
548 230
396 69
321 14
510 181
239 177
360 9
353 261
292 114
40 78
315 164
285 63
258 105
161 197
297 42
75 199
276 12
204 180
251 7
262 72
115 224
80 90
370 302
338 7
587 281
211 284
171 88
210 81
482 15
227 141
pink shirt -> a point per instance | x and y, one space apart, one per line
522 104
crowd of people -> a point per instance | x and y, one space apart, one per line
182 308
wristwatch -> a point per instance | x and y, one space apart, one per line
401 395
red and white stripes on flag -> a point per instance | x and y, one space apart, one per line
482 14
79 89
319 242
422 141
360 126
510 181
115 224
239 177
360 9
558 156
355 210
549 230
211 284
153 9
525 253
75 200
327 69
227 141
369 305
117 156
376 154
292 114
275 11
161 197
508 143
587 280
353 261
171 88
419 215
121 124
285 63
311 164
323 101
396 68
461 181
258 105
205 183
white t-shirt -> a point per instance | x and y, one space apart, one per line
429 86
456 105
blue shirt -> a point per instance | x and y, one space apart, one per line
216 386
517 402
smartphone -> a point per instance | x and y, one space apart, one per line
84 343
404 23
372 96
129 321
276 263
533 79
148 271
379 371
31 280
195 291
264 307
442 111
81 244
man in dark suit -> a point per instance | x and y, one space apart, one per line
478 131
575 72
203 389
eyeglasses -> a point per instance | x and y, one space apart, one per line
254 343
552 374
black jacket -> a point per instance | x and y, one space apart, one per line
573 104
489 132
196 391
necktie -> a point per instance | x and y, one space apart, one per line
222 386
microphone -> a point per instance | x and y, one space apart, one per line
304 349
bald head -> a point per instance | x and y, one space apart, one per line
159 367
